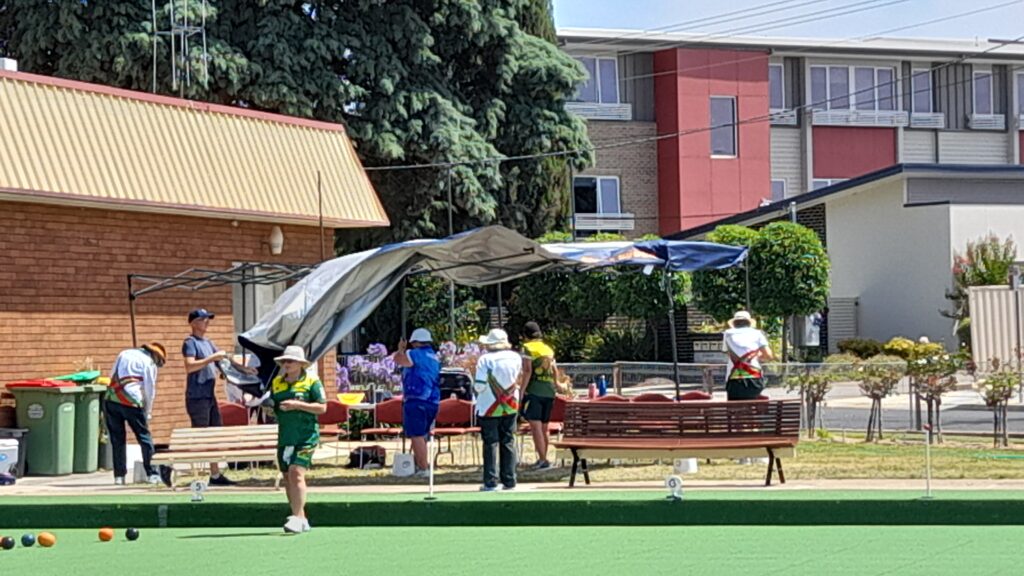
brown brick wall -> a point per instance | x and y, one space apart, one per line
636 165
63 289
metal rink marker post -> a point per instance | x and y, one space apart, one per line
928 463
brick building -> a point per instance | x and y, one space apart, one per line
98 183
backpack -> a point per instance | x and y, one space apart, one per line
366 457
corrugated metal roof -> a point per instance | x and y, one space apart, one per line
83 144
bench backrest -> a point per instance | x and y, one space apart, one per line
227 438
682 419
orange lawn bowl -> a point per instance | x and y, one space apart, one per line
106 534
46 539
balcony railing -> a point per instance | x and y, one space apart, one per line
605 221
596 111
783 117
987 122
884 118
928 120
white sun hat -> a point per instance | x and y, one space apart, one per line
295 353
742 315
497 339
421 335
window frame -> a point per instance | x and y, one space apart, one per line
597 192
1018 78
914 73
782 87
784 187
732 126
853 93
597 80
991 90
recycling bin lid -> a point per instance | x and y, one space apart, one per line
80 377
41 383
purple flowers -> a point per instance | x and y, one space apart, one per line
342 380
377 367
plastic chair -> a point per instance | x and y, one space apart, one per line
651 397
232 414
694 396
611 398
387 418
331 423
454 418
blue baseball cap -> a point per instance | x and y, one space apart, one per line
200 313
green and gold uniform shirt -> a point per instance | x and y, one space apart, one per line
297 427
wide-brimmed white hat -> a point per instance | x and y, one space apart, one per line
421 335
497 339
295 353
742 315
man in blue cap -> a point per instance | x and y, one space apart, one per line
200 399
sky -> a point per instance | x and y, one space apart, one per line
774 17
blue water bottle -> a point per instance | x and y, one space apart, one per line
602 385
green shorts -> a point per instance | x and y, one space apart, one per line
295 456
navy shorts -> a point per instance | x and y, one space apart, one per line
537 408
418 418
203 412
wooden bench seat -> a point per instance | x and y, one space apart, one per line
226 444
671 430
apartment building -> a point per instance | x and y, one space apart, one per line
691 129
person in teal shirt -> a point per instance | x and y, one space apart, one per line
298 399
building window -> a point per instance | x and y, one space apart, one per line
602 84
820 183
778 190
1020 93
723 126
597 195
776 87
873 88
983 92
259 299
921 85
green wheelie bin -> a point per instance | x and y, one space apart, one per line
47 409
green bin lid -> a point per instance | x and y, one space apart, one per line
84 376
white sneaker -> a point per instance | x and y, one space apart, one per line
294 525
421 474
305 525
154 479
118 480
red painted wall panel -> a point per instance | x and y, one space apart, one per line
693 187
843 152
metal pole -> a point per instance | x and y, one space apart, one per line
572 202
451 283
174 57
131 311
746 272
405 311
501 320
245 310
320 207
672 329
154 46
928 462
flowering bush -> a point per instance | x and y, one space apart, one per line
377 367
342 380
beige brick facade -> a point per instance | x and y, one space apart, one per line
636 165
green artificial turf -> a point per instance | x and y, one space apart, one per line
556 508
793 551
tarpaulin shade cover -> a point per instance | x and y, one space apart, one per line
325 306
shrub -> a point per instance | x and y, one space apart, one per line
862 348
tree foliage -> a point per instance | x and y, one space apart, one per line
985 262
720 293
414 82
789 271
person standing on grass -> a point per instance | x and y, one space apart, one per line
747 347
539 389
200 399
421 393
298 399
498 378
129 401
